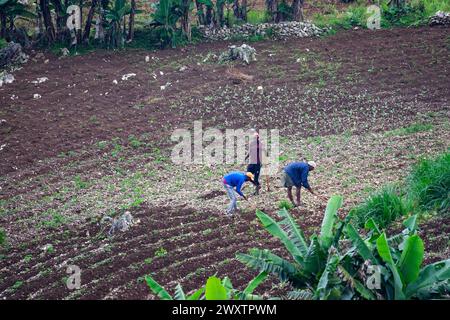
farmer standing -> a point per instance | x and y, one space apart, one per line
296 174
233 182
255 158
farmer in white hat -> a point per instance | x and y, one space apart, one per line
296 174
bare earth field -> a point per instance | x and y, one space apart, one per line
89 148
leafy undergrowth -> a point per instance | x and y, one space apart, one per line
384 207
429 184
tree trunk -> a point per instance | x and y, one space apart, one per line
79 34
236 9
99 30
87 28
219 17
185 19
48 23
3 25
271 6
200 13
243 13
209 15
60 21
396 3
131 21
297 10
240 9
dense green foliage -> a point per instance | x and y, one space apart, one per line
428 185
371 267
412 13
383 206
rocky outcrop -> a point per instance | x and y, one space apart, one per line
12 54
440 19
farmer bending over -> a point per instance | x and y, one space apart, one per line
296 174
233 182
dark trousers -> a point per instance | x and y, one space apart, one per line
255 169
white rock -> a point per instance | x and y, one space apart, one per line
37 96
128 76
6 78
40 80
147 59
115 81
65 52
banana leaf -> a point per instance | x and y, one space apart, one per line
157 289
276 230
215 290
429 276
385 254
411 259
326 232
364 251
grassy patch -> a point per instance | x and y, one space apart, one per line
285 204
79 183
2 237
17 285
414 13
429 183
161 252
75 51
414 128
383 206
53 219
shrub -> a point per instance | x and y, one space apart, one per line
411 129
407 15
382 206
428 184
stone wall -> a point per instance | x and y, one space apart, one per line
276 30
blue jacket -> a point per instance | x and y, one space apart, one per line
298 172
235 179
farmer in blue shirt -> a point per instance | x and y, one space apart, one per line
233 182
296 174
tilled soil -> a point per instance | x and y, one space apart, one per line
71 156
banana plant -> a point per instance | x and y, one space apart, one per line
313 265
164 21
215 289
115 16
400 259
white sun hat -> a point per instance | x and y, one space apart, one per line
312 164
